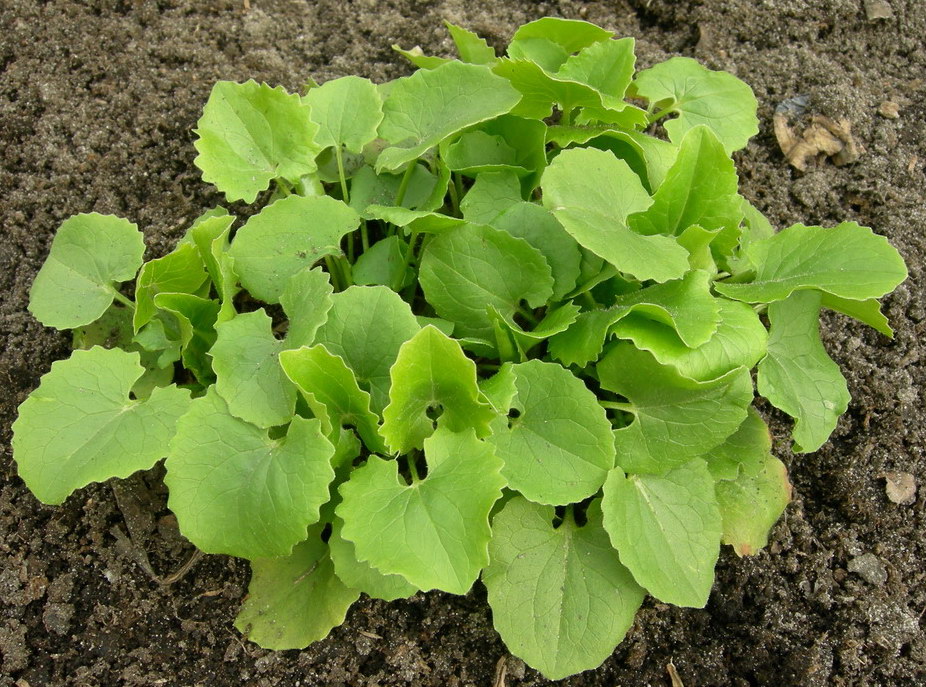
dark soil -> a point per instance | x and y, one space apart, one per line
97 99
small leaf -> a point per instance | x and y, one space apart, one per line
250 134
248 375
80 425
180 271
557 444
423 109
560 598
476 151
210 235
698 95
432 372
490 195
675 418
435 531
751 505
867 312
295 600
607 66
667 530
797 376
569 35
285 238
470 46
195 319
89 255
744 452
306 300
369 188
237 491
385 263
363 576
348 112
592 193
847 261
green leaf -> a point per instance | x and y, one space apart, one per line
248 375
369 188
555 320
584 340
718 100
295 600
560 598
751 505
306 300
699 188
667 530
384 263
195 319
417 57
540 229
414 221
740 341
210 235
490 195
744 452
675 418
285 238
348 112
237 491
430 105
325 379
606 66
470 46
848 261
366 326
540 89
435 531
557 443
89 255
476 151
250 134
568 35
867 312
180 271
592 193
363 576
797 376
432 374
80 425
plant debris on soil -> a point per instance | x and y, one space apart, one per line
97 100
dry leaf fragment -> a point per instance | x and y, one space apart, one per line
824 137
889 109
900 488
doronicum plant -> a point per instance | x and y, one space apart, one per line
498 319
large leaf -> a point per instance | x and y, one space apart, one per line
560 598
667 530
847 261
592 193
750 505
435 531
80 425
697 95
306 301
89 255
430 105
235 490
285 238
432 376
675 418
744 452
797 376
556 443
250 134
363 576
294 600
348 112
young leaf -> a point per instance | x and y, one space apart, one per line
248 376
560 598
867 311
744 452
384 264
295 600
698 95
195 319
470 46
750 505
431 373
430 105
210 235
237 491
435 531
490 195
366 326
369 188
557 444
592 193
363 576
797 376
465 270
89 255
80 425
250 134
347 111
606 66
667 530
180 271
675 418
571 35
476 152
285 238
306 300
847 261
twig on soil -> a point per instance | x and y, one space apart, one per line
501 672
674 676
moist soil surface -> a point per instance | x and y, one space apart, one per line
97 100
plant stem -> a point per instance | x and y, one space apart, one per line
364 236
617 405
406 179
458 194
412 467
339 156
335 273
122 299
566 119
527 315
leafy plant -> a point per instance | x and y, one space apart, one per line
497 318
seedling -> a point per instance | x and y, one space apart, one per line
515 304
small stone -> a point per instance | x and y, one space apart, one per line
889 109
900 488
878 9
869 568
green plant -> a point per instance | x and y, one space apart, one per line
512 309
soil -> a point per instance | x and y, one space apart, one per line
97 100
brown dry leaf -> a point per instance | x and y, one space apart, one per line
674 676
822 138
900 488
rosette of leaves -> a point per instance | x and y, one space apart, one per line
497 319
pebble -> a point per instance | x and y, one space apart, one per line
878 9
869 568
889 109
